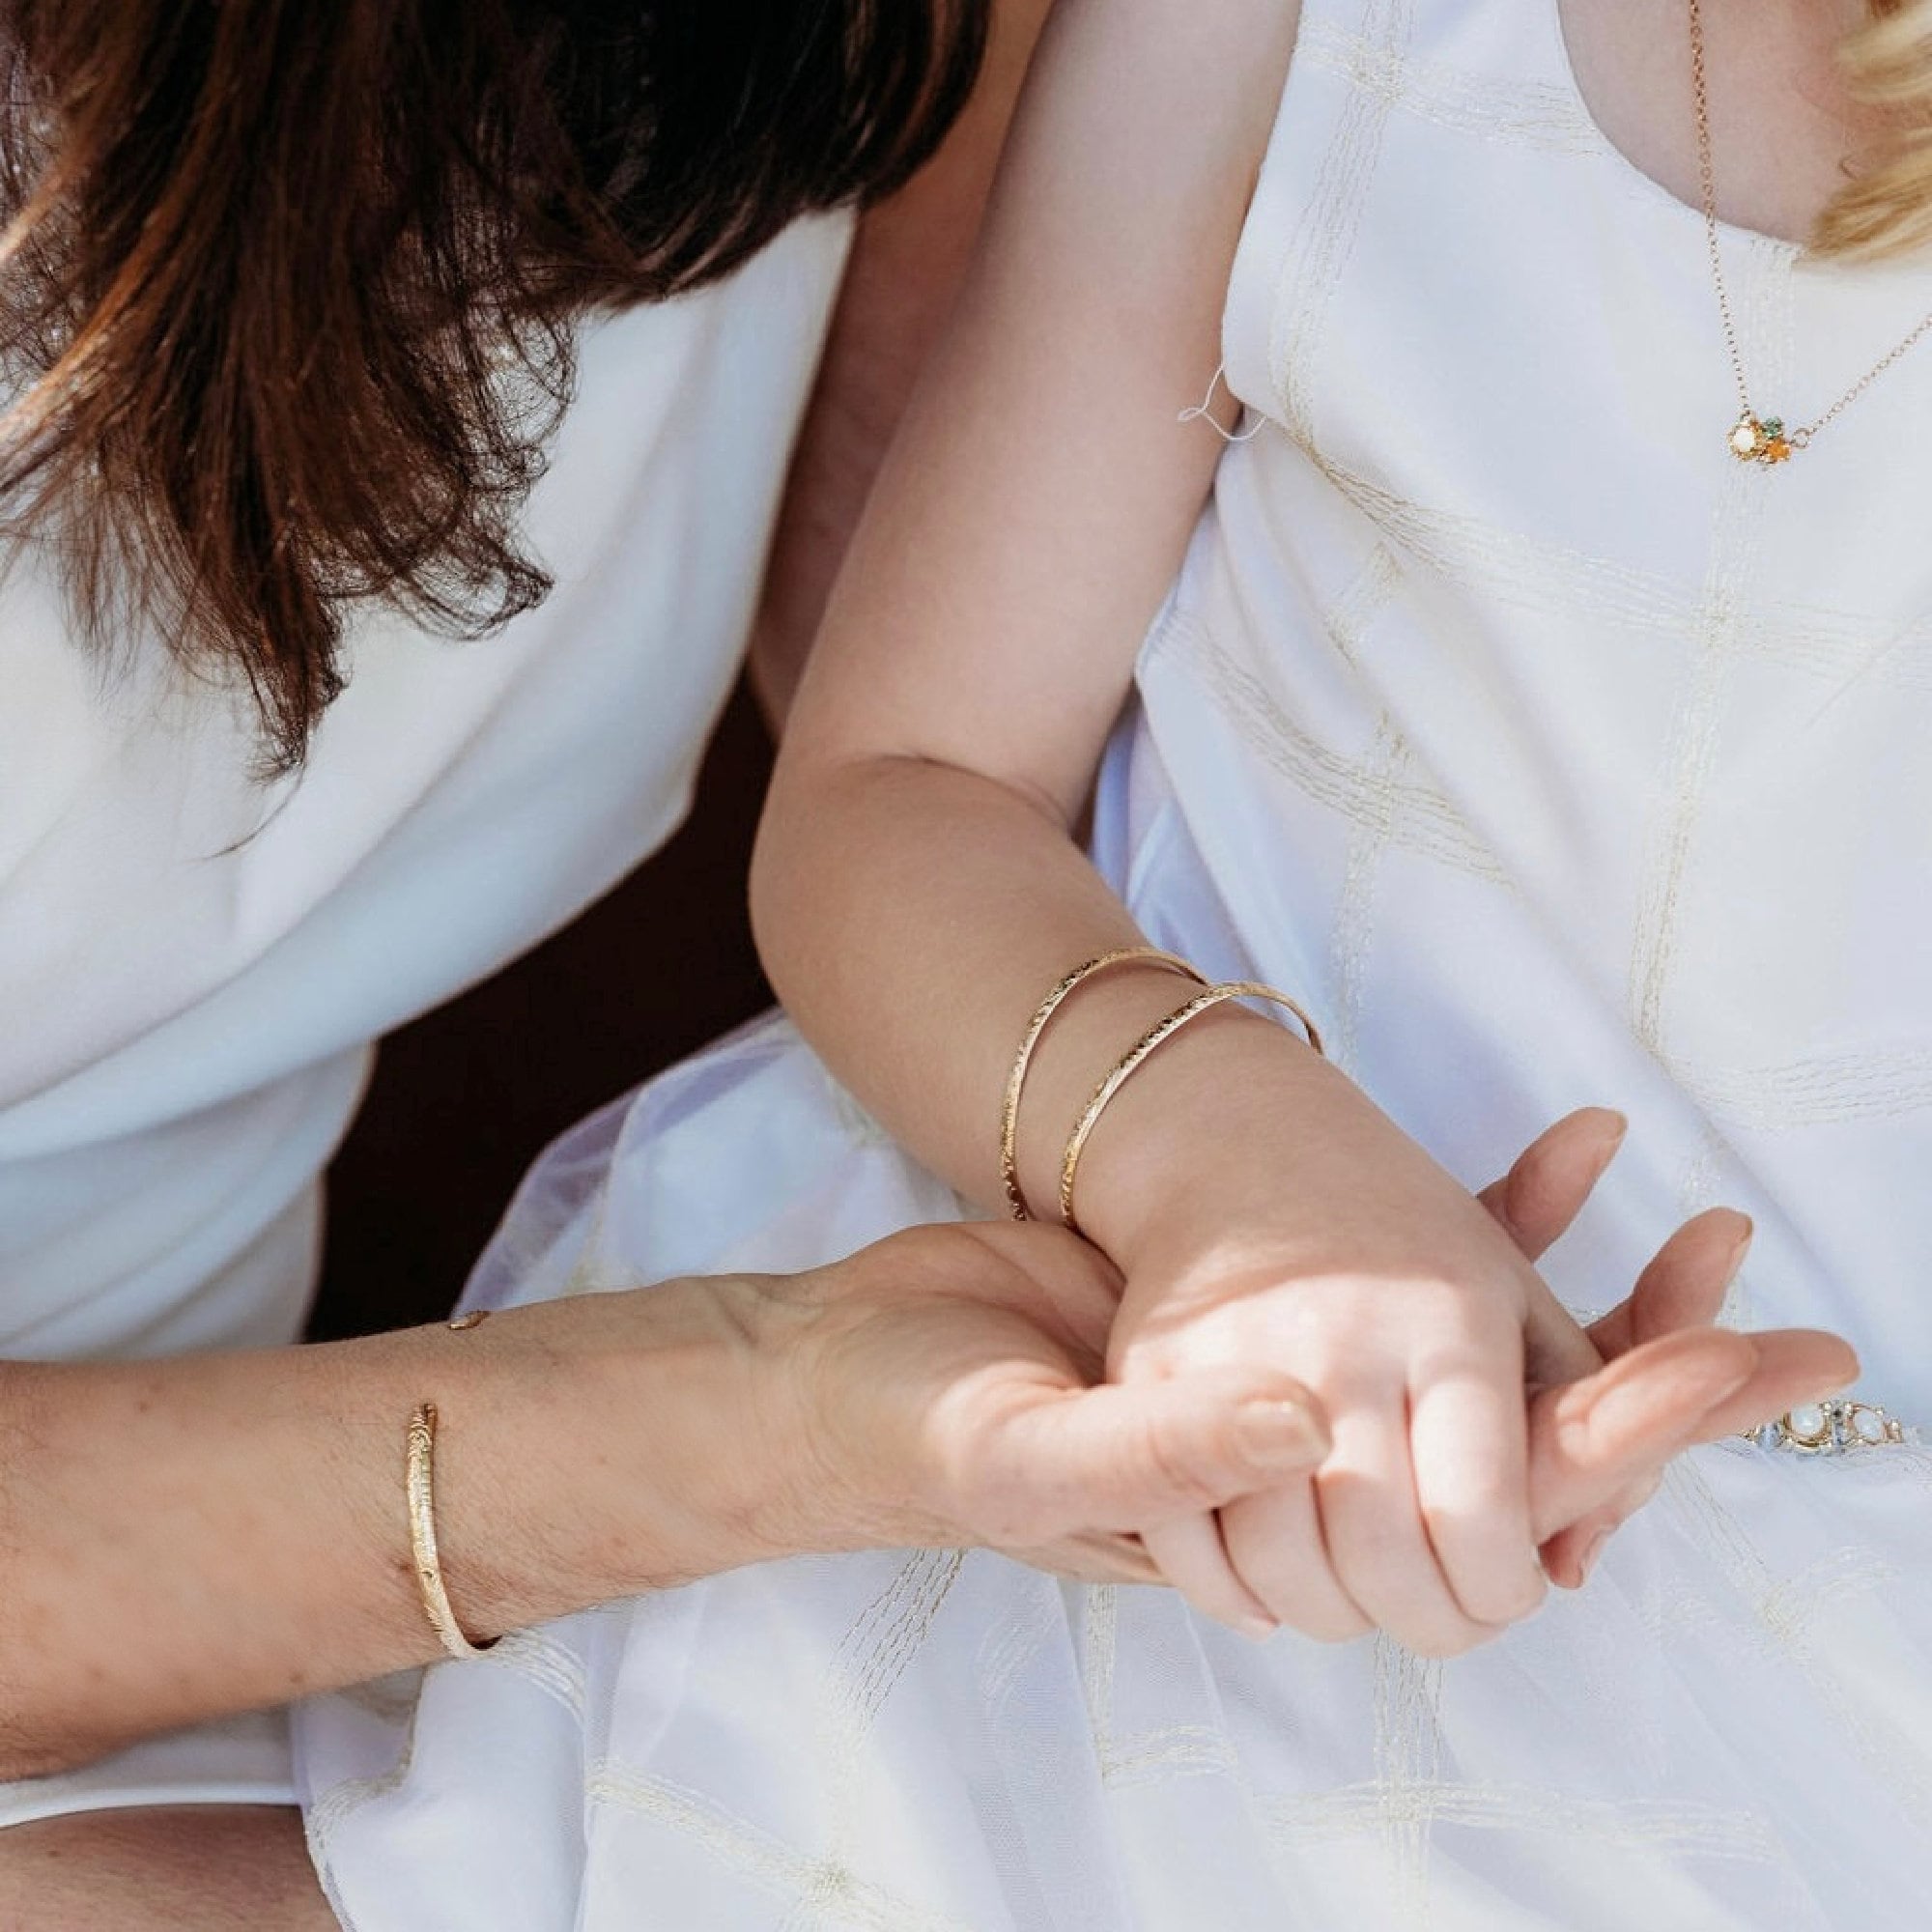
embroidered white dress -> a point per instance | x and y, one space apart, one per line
1560 758
192 965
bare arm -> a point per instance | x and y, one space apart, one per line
907 263
186 1539
189 1537
918 886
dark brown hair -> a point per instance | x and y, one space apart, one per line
287 293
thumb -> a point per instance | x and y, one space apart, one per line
1120 1459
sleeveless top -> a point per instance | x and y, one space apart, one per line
192 962
1561 757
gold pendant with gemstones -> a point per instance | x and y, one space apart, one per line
1761 440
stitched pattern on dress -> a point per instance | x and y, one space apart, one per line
1416 817
1530 114
819 1891
1828 1090
1311 274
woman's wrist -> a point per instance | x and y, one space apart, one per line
200 1536
640 1443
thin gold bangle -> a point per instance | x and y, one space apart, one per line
422 1537
1143 1050
1009 1117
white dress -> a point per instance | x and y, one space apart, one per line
1559 758
192 965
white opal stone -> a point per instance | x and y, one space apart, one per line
1808 1423
1870 1425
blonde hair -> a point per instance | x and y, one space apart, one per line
1886 210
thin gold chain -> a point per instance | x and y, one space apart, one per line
1707 176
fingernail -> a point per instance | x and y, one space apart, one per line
1740 1253
1256 1630
1277 1435
1611 1144
1588 1561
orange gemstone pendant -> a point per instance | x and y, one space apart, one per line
1761 440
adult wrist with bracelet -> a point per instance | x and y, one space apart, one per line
202 1536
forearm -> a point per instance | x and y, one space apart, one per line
190 1538
918 887
915 916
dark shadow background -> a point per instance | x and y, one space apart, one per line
465 1099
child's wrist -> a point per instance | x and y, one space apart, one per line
1234 1090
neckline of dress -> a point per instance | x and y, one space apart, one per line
1638 178
1881 279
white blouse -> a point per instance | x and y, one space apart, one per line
193 963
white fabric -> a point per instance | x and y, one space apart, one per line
1559 758
192 965
241 1761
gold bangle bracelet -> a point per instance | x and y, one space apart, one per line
1143 1050
1009 1117
422 1537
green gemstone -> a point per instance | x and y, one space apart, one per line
1772 425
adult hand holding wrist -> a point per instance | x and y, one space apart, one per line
942 1388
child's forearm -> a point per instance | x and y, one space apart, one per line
918 887
913 919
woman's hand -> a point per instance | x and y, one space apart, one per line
946 1389
1651 1377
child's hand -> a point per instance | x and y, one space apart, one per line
1417 1322
1308 1231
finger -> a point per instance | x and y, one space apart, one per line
1683 1287
1589 1440
1372 1523
1193 1558
1557 1349
1470 1449
1275 1545
1572 1554
1542 1195
1120 1458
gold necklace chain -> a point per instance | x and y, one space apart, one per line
1756 439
